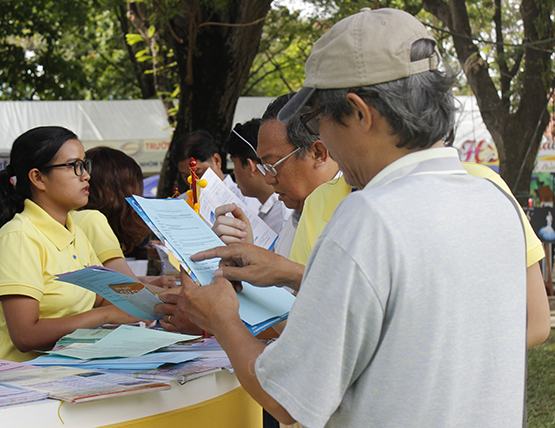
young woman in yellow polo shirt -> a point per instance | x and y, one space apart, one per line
47 178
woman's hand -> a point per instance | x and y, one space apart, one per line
163 281
113 315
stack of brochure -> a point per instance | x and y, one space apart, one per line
74 385
125 348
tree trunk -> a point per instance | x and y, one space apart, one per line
516 134
214 59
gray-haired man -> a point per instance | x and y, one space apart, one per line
412 310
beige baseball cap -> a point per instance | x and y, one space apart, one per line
370 47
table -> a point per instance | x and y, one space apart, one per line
216 400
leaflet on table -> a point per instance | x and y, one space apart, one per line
73 385
216 193
84 335
121 290
124 341
143 362
181 230
10 395
97 385
183 373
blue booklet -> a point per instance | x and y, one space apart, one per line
185 233
121 290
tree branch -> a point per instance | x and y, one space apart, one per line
505 79
455 16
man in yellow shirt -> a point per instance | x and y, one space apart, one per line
321 204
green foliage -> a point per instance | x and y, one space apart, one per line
62 50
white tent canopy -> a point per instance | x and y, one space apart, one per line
138 127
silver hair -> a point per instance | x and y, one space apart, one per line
297 135
420 108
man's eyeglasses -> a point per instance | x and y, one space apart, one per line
311 121
269 168
79 166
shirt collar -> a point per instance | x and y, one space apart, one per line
59 235
441 160
267 206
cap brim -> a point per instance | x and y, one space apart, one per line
295 104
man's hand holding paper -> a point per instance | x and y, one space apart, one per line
234 228
207 307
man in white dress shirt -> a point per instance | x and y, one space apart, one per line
241 147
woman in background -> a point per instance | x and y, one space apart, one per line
111 225
48 176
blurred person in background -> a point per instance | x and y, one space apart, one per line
112 226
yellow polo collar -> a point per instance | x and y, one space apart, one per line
59 235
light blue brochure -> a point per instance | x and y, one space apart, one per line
144 362
124 341
183 230
119 289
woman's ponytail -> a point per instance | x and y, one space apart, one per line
11 202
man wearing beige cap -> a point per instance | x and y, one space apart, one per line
408 313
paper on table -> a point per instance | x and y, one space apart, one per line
93 385
8 365
124 341
183 232
10 395
121 290
86 335
216 193
144 362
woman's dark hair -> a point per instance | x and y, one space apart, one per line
114 177
32 149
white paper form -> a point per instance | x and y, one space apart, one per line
216 193
184 232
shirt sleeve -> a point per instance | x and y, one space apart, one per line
99 233
330 337
21 267
534 247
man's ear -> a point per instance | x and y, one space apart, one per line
36 178
363 112
217 160
319 152
252 166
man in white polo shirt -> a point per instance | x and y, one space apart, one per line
412 308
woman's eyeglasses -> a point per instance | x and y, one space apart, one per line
79 166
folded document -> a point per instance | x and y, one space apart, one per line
185 233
